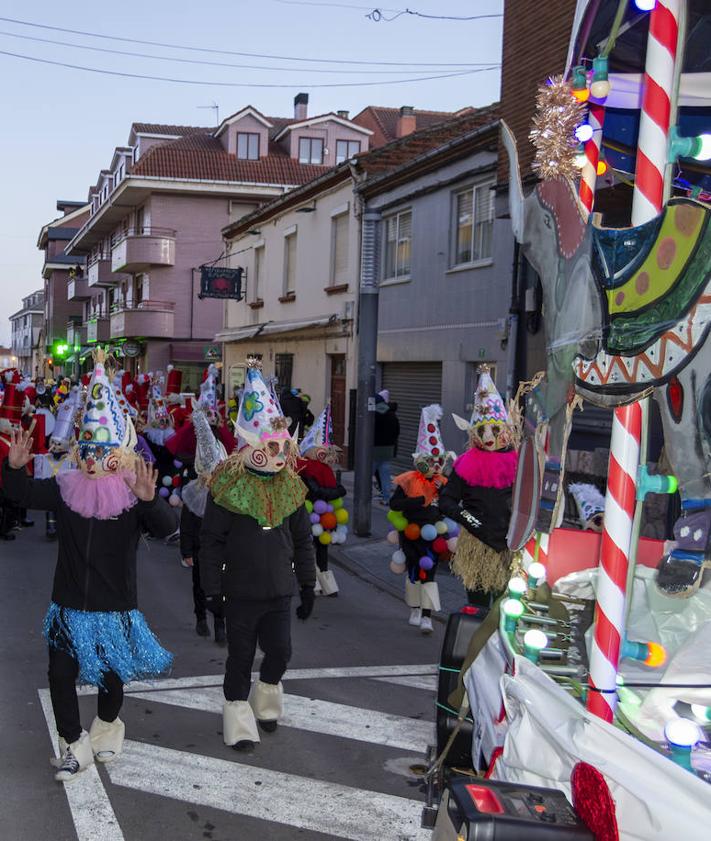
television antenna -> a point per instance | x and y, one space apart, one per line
214 107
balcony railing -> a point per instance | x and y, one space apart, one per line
76 333
148 319
78 289
98 271
98 329
137 249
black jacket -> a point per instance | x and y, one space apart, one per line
96 559
470 505
242 560
387 429
190 525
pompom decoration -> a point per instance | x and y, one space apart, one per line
392 516
441 527
454 531
400 523
439 545
426 562
314 518
423 575
324 538
451 525
317 530
393 537
167 481
174 500
176 481
429 532
558 114
320 506
309 505
452 544
397 567
412 531
342 516
164 492
337 503
177 464
329 508
328 521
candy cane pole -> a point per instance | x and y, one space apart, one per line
596 118
660 74
614 559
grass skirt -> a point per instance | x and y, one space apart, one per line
478 566
102 641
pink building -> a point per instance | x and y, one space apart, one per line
156 216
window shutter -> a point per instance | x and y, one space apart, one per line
340 249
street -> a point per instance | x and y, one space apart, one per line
359 712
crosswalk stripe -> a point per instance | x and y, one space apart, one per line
316 716
336 810
427 682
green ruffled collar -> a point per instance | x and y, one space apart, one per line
268 499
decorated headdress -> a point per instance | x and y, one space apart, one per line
119 385
259 416
106 437
429 437
62 436
209 451
208 388
489 413
321 433
160 426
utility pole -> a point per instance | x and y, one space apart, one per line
367 360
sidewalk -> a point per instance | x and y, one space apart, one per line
369 559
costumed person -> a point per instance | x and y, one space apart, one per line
93 628
414 512
209 453
174 397
59 457
255 544
324 498
159 429
478 495
10 419
385 437
121 382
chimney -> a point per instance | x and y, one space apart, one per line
406 122
343 114
301 106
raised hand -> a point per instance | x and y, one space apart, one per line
143 480
20 451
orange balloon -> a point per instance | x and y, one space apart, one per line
329 521
412 531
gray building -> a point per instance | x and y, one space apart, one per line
26 327
445 268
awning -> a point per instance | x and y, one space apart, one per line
270 328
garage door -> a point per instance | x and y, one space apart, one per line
412 385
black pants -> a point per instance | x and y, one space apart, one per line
199 600
248 622
63 672
321 555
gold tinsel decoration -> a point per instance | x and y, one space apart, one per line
558 113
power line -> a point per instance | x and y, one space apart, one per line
232 52
108 50
377 14
239 84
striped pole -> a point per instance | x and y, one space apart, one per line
617 535
656 113
596 118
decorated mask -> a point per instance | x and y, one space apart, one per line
318 441
430 457
488 428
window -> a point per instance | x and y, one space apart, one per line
474 224
257 278
140 220
339 249
346 149
290 265
283 369
247 146
310 150
138 290
120 171
398 242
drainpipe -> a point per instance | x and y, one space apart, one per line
513 375
367 359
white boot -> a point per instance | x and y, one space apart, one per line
415 616
327 582
106 738
426 625
56 761
317 588
77 757
430 596
239 728
266 700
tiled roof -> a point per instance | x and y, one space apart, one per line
159 128
383 121
201 156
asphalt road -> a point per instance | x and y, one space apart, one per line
359 713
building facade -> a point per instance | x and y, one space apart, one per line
26 325
7 358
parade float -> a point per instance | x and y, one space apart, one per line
591 676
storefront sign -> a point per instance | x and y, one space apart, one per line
217 282
212 352
131 348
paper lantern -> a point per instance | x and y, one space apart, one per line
328 521
320 506
317 530
426 562
412 531
342 516
324 538
393 537
429 532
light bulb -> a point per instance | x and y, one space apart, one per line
580 160
704 151
645 5
581 94
535 639
681 732
517 587
600 89
536 570
701 713
513 610
584 132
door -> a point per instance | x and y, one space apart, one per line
338 397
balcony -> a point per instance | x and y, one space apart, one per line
148 319
76 333
78 289
98 271
137 252
97 329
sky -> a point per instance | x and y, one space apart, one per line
61 125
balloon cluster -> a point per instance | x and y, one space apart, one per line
172 486
442 537
328 521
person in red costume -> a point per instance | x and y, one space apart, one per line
478 495
318 453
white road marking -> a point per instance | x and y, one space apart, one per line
92 813
336 810
427 682
315 716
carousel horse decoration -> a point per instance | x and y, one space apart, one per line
627 314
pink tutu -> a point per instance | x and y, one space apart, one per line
103 498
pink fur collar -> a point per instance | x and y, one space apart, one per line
102 498
487 470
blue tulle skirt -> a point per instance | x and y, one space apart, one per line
102 641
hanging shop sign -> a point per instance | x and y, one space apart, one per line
216 282
212 352
131 348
